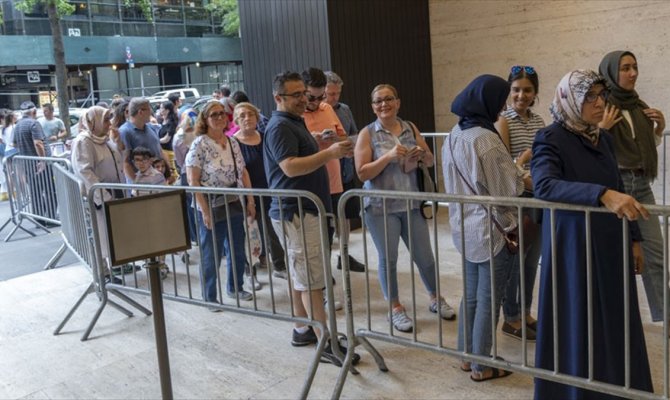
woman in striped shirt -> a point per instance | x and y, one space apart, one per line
518 125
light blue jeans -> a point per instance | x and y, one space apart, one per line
652 275
398 226
477 301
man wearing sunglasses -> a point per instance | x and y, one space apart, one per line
325 126
294 160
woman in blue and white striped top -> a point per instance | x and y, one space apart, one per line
518 125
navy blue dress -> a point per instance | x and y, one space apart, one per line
568 168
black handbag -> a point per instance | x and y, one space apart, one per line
424 181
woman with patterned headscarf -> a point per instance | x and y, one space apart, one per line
573 162
96 159
637 130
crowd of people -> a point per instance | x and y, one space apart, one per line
599 150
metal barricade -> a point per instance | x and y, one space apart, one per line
183 282
32 195
361 329
79 239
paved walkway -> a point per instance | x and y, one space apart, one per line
219 355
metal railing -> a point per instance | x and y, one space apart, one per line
182 282
359 330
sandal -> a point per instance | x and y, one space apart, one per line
495 374
532 325
466 366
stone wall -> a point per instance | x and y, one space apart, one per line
473 37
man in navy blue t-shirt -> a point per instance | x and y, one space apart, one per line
293 161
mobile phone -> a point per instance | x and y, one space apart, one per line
327 134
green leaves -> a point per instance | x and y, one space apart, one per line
144 5
229 13
62 6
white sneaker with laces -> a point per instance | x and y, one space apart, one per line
401 321
446 311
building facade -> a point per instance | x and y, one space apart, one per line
111 48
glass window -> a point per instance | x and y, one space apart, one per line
75 28
106 29
168 14
80 9
137 29
104 11
37 27
169 29
132 13
196 14
198 30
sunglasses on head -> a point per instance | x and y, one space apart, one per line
517 69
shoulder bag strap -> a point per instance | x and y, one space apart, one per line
495 222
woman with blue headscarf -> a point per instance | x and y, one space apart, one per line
476 161
574 163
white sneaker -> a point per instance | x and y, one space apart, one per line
446 311
400 320
252 281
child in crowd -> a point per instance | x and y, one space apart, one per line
146 173
161 166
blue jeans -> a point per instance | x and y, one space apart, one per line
210 261
652 275
512 302
398 226
477 299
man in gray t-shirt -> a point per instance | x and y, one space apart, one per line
54 128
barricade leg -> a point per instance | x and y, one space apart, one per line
57 256
90 289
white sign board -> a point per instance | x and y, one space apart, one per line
33 76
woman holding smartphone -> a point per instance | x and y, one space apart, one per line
386 156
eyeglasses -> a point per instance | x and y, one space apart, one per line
217 115
387 100
315 98
517 69
296 95
593 97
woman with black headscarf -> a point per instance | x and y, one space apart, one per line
636 131
476 161
573 162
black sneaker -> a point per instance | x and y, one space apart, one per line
304 339
328 357
354 265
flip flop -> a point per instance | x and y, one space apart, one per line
496 373
466 367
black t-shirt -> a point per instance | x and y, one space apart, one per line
287 136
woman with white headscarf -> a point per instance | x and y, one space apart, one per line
573 162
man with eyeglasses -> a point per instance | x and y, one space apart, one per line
137 132
294 160
326 127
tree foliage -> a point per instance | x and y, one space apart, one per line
229 13
62 6
144 5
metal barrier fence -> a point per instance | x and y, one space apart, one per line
79 239
182 282
359 330
32 196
